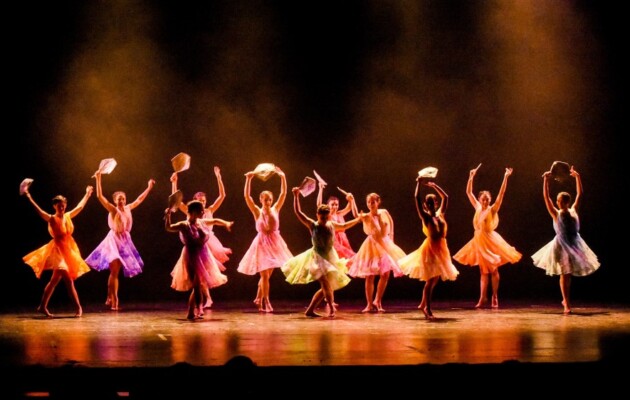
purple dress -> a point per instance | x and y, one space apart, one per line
117 245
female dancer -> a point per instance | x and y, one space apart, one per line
117 250
196 267
378 255
432 260
341 242
268 250
567 254
61 254
487 248
220 253
321 262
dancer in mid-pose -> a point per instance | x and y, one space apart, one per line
196 268
220 253
567 254
432 260
268 249
117 251
378 255
341 242
321 262
61 254
487 248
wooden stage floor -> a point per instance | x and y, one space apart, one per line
147 345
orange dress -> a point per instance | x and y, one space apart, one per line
61 252
432 258
487 248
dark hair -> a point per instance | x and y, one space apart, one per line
59 199
565 196
431 200
323 209
195 206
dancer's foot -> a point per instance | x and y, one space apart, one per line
79 312
368 308
378 306
427 313
334 307
44 311
311 313
567 308
481 303
495 301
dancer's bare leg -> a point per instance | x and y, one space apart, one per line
207 299
192 312
495 288
194 303
483 290
72 292
265 303
369 292
380 291
565 289
48 291
427 295
317 298
258 293
329 294
112 284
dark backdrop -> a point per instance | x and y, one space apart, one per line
364 92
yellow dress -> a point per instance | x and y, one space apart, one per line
320 260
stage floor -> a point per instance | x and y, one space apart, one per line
156 336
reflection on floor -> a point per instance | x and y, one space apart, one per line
152 349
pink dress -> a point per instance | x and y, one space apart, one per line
268 249
117 245
487 248
220 253
432 258
378 254
196 263
341 243
61 252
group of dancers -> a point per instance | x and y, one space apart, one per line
331 261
